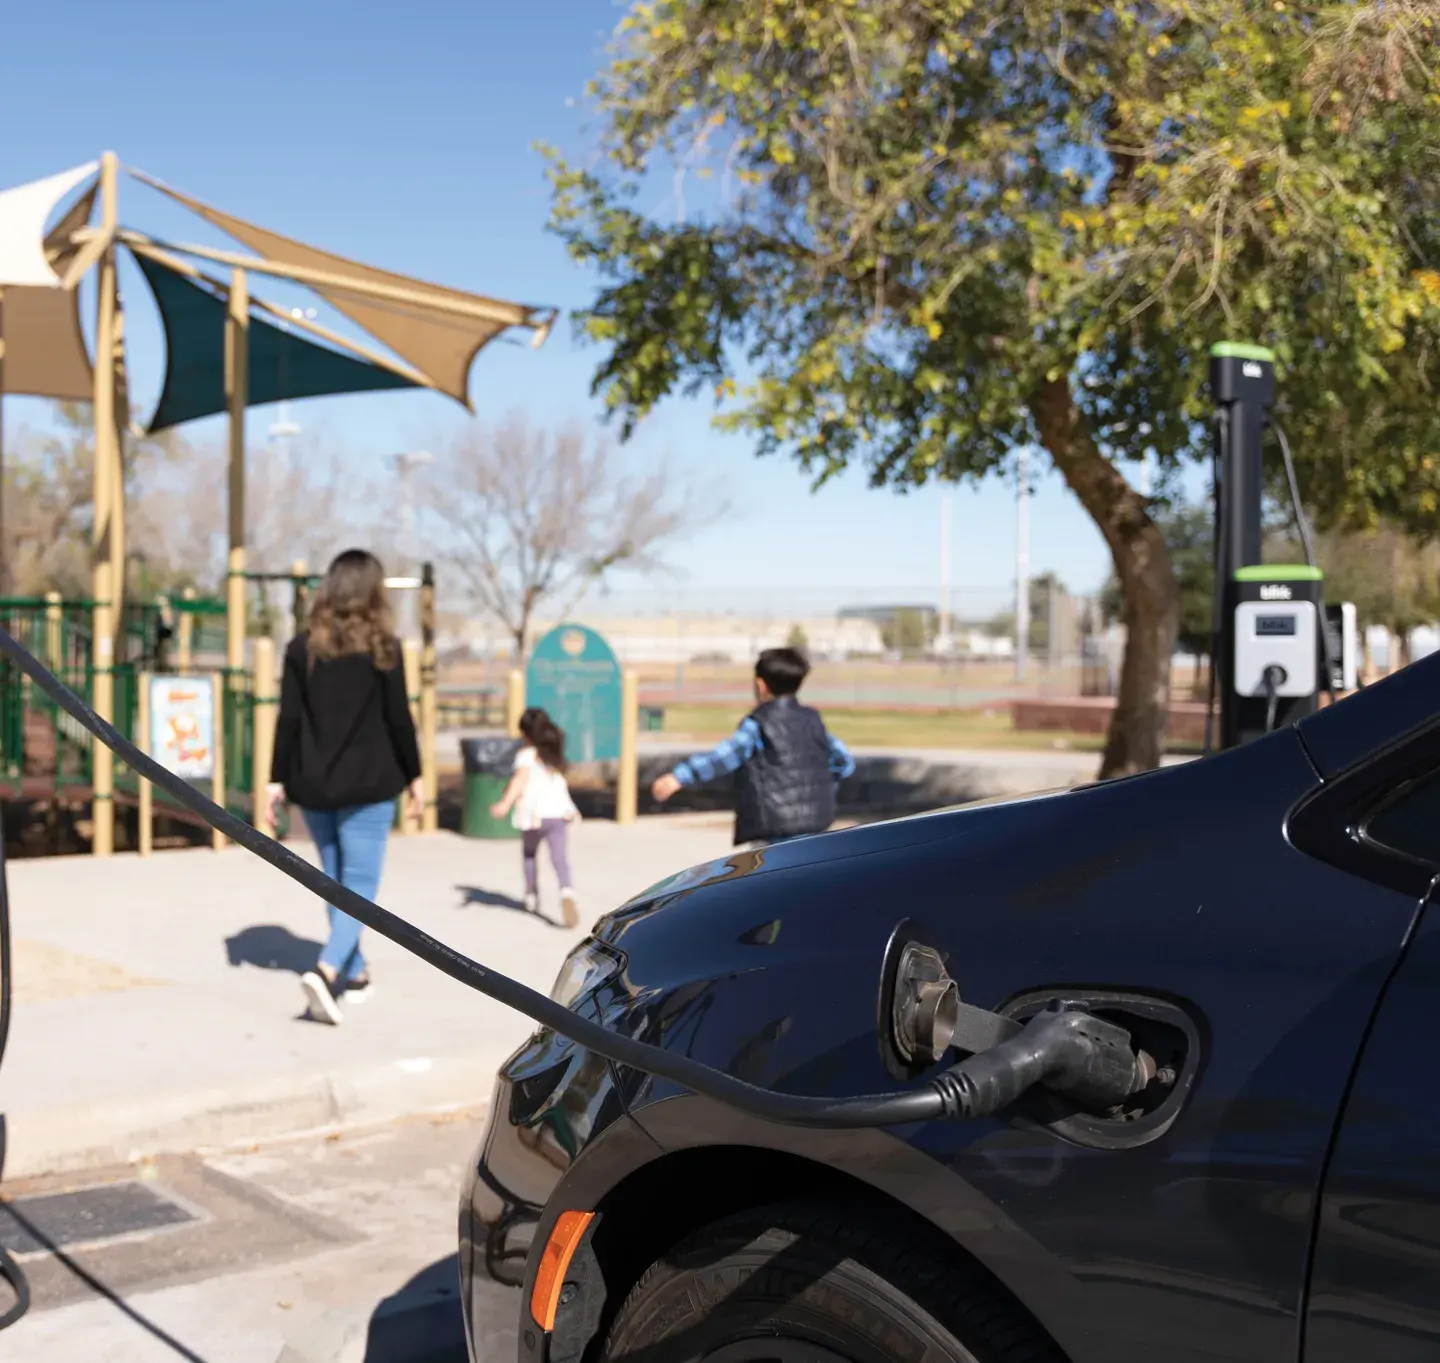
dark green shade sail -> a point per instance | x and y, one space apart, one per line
283 366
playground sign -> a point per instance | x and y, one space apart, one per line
183 730
575 677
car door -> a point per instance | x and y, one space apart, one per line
1375 1279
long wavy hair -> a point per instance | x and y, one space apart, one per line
351 612
545 736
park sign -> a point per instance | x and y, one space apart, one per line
182 725
574 677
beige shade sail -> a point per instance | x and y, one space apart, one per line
45 353
440 342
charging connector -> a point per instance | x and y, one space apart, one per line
1086 1059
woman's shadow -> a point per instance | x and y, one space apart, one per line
272 947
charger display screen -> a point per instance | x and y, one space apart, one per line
1274 626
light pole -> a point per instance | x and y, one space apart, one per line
1022 562
283 428
405 465
942 642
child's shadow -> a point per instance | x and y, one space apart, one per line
492 899
473 894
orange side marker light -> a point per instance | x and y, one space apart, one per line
564 1240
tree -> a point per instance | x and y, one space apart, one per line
49 504
1393 577
536 518
797 639
909 630
303 503
1188 531
943 231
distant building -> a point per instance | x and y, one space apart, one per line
679 639
885 616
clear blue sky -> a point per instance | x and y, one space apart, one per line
401 135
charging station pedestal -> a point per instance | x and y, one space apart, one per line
1275 655
1270 642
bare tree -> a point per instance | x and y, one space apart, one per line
302 503
537 518
49 488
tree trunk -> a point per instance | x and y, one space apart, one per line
1151 609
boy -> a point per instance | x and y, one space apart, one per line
788 763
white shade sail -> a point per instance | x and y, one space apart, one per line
24 211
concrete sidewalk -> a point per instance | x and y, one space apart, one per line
158 1006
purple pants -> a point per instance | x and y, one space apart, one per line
551 832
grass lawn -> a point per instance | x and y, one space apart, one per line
890 728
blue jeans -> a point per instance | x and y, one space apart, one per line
351 843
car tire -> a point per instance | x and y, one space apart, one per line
800 1283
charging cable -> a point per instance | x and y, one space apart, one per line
13 1274
1273 678
1068 1051
1302 524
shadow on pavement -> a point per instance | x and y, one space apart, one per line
272 947
422 1322
492 899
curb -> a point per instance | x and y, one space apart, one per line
78 1136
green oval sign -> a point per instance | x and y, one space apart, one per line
574 676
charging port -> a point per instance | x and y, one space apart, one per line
1166 1038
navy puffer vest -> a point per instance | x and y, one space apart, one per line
786 789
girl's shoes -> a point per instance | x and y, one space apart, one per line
532 903
568 909
320 995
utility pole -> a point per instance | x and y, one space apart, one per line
1022 562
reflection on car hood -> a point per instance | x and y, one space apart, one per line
863 840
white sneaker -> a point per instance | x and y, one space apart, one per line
357 995
532 903
323 1005
568 909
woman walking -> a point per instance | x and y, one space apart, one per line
544 811
345 749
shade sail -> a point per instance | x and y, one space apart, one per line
24 211
282 365
45 353
440 343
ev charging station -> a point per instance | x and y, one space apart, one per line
1277 646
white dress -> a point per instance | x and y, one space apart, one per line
546 794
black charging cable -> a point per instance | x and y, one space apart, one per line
1217 590
1273 678
13 1274
1302 524
1066 1050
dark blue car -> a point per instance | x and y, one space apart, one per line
1258 921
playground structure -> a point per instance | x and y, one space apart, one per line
222 356
45 757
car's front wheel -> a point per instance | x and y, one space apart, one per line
799 1283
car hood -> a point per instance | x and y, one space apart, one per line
866 840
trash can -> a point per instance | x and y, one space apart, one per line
652 718
488 764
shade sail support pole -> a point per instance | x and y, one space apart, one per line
102 565
237 391
510 316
